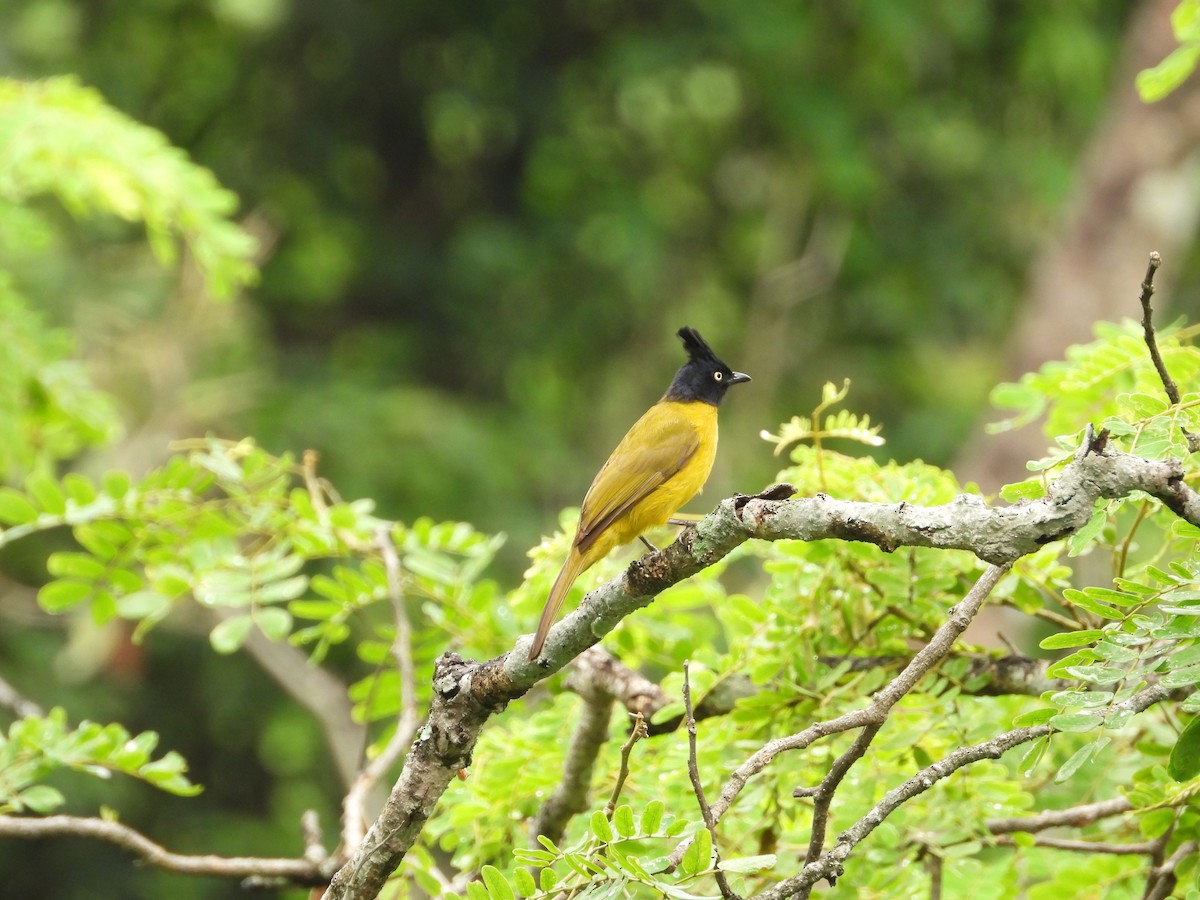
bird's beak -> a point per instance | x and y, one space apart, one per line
738 378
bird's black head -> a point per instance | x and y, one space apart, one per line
703 377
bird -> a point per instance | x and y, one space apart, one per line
660 464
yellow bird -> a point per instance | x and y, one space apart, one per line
660 464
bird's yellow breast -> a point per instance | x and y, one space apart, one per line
674 441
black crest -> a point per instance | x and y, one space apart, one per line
695 345
703 378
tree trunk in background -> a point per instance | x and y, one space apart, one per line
1139 190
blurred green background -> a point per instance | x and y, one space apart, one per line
481 224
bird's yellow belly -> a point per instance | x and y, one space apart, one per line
665 500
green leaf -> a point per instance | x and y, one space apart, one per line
59 596
623 821
41 798
526 886
286 589
601 828
1074 763
498 887
1155 83
116 484
1078 541
1034 717
15 508
1076 722
476 891
698 856
142 605
46 492
1154 824
1182 677
75 565
230 634
747 865
1070 639
652 816
1184 763
1091 604
79 488
275 623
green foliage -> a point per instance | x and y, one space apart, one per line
62 139
49 410
1155 83
36 748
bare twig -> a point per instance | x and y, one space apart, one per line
1139 849
934 863
310 830
829 785
296 871
1054 818
599 679
637 733
698 787
1164 376
354 817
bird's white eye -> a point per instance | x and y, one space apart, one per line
718 375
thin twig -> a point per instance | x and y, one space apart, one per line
694 774
933 862
354 817
1164 376
296 871
310 830
829 785
1139 849
637 733
1074 816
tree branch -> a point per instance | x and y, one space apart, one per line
1055 818
466 694
698 787
296 871
829 785
1077 846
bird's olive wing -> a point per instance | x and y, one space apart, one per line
658 445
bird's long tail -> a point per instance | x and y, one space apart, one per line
571 570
